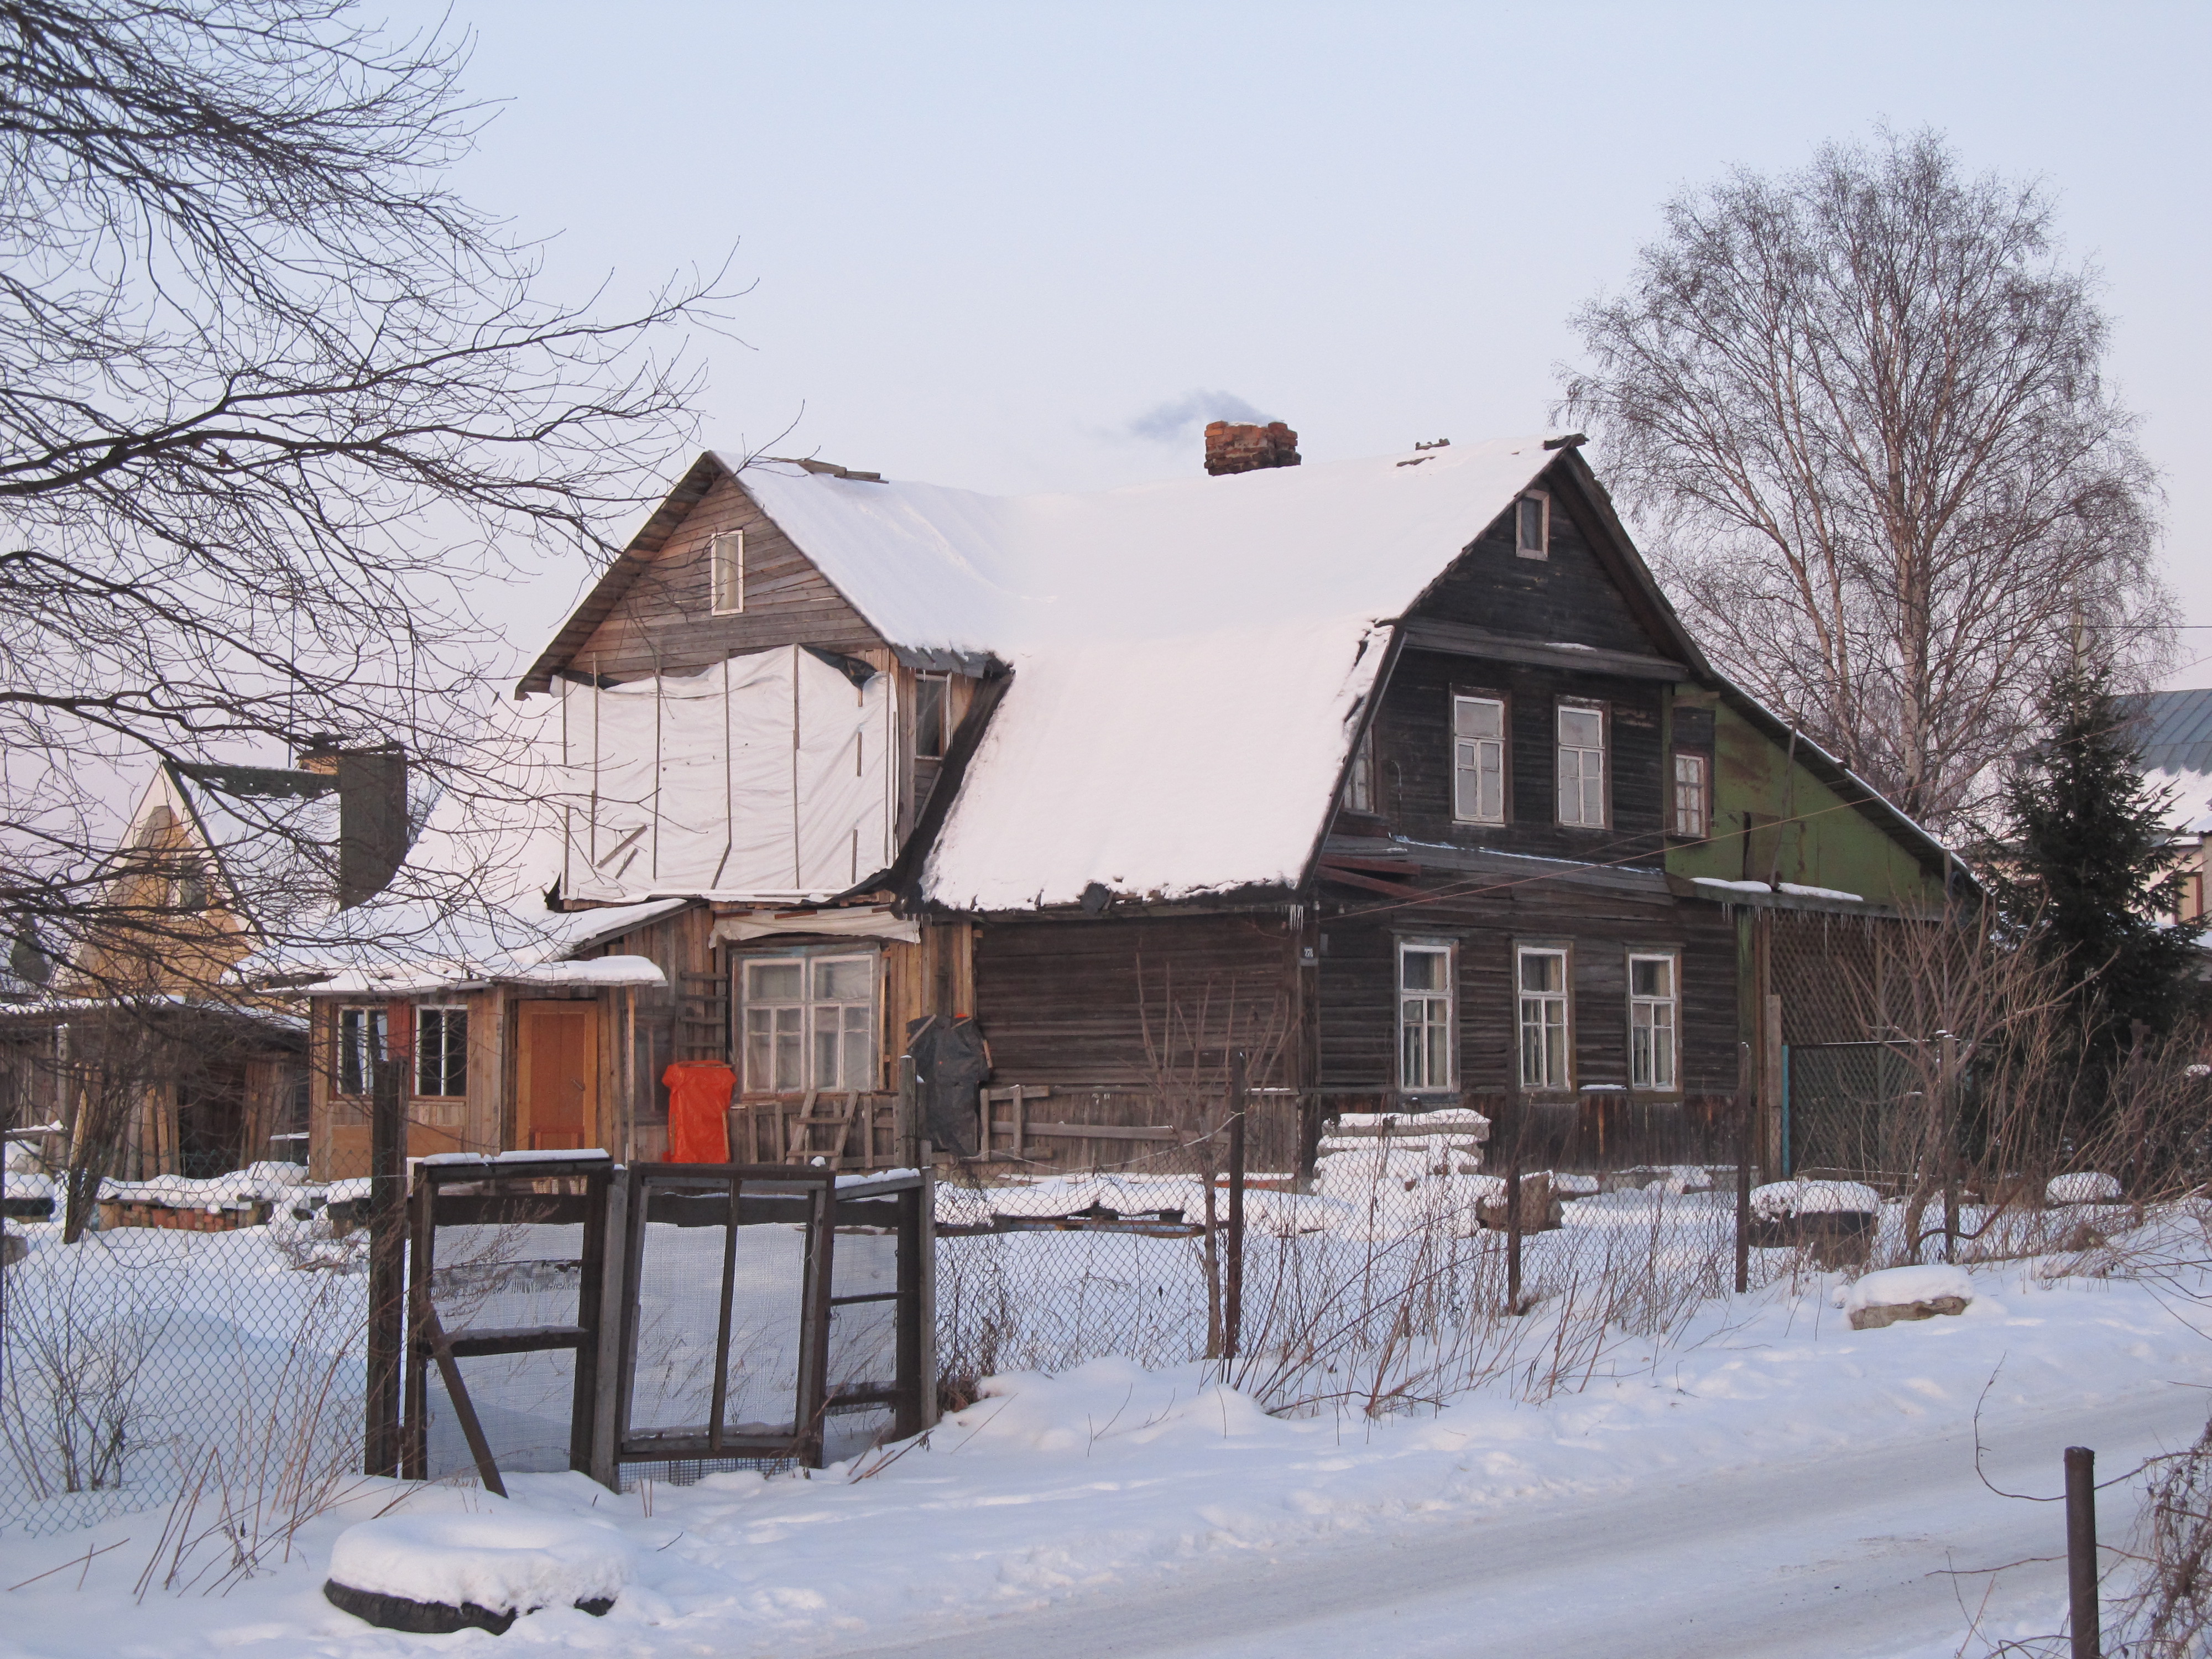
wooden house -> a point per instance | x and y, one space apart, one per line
1399 776
139 1038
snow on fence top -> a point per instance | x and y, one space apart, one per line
1253 599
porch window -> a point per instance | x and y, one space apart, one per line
726 563
441 1052
1424 1017
1542 976
360 1045
809 1023
932 716
1654 997
1533 526
1479 760
1691 815
1582 766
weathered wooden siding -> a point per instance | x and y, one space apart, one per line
1570 596
1122 1002
1357 1012
665 623
1412 748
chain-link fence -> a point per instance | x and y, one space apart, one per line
205 1338
1397 1256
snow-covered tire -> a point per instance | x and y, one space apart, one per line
429 1618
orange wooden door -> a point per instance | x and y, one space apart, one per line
556 1076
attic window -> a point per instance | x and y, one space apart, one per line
1532 516
726 560
933 710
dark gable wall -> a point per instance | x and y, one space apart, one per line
1569 596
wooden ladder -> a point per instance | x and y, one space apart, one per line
803 1148
702 1015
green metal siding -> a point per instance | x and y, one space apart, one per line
1798 828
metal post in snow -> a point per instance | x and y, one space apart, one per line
1232 1317
2081 1551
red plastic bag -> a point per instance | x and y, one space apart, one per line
698 1106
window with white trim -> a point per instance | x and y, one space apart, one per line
1532 525
932 715
1582 765
1479 760
1691 774
725 565
1541 976
809 1023
1654 999
441 1051
1360 781
1425 1001
360 1045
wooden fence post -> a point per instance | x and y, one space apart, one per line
906 1129
1513 1208
1232 1317
388 1258
1742 1194
2081 1551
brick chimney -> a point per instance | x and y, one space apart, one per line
1234 447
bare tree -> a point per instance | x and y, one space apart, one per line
274 399
1859 407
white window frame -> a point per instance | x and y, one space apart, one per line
1699 827
1542 549
1583 790
446 1060
1428 1021
1468 752
944 739
1550 1015
1360 777
808 1019
1654 1067
369 1041
726 572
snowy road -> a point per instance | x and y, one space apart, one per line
1735 1564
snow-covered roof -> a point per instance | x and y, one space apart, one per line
467 907
933 568
1186 655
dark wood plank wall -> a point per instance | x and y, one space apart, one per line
1412 748
1569 597
1073 1003
664 623
1358 1017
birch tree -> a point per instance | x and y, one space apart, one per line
1858 412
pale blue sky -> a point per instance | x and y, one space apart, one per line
988 240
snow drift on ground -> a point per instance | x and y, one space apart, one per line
1112 1478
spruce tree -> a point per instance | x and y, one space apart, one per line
2089 874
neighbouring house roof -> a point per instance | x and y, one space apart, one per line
2176 744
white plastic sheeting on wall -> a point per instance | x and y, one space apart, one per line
765 776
